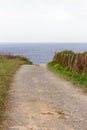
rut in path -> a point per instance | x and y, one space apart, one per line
39 100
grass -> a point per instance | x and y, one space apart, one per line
8 66
76 78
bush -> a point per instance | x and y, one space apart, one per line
76 62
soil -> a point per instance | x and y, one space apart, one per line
40 100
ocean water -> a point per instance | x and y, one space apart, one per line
40 53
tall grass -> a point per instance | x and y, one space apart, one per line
72 66
76 62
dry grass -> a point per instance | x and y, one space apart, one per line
76 62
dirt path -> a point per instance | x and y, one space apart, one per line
39 100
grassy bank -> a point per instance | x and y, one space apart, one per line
8 66
76 62
76 78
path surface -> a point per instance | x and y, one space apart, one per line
39 100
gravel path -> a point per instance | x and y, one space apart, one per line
39 100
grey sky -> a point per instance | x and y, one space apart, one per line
43 20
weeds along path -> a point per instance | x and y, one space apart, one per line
39 100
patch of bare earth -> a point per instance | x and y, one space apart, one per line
39 100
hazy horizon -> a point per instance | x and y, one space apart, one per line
39 53
1 43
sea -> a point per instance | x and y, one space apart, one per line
40 53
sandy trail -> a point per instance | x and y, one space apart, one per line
39 100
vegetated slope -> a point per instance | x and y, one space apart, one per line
76 62
8 65
72 66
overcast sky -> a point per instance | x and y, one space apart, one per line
43 20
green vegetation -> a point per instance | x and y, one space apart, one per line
8 66
79 79
72 66
76 62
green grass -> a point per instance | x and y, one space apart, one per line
76 78
8 67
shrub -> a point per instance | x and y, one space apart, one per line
76 62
